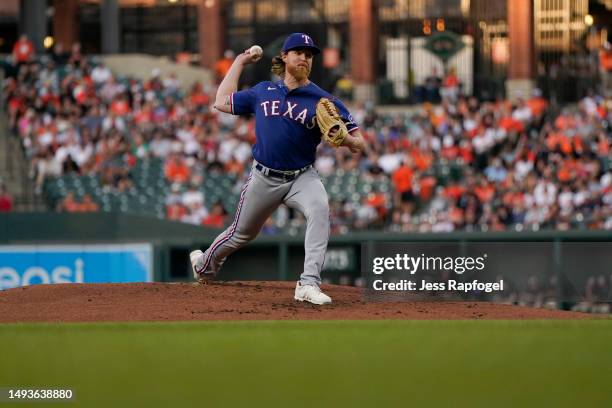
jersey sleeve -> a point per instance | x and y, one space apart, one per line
346 116
243 102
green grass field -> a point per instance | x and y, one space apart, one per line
324 363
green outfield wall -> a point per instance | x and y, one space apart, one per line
277 257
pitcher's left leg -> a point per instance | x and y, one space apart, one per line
308 196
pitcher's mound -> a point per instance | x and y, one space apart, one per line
230 301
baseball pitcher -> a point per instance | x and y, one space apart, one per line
292 116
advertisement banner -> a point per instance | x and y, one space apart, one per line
25 265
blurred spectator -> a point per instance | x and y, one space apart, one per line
23 50
68 204
402 181
224 64
344 87
269 227
450 85
59 55
6 199
88 205
100 74
176 169
216 218
495 172
75 54
176 211
432 86
46 165
537 104
605 67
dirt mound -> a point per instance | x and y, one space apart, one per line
230 301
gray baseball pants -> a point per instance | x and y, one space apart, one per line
260 197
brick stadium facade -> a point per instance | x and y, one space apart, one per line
514 47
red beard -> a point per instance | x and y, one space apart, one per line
299 72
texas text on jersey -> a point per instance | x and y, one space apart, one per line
285 121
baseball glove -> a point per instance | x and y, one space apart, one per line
328 119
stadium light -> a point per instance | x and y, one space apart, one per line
427 27
48 42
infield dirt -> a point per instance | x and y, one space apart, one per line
250 300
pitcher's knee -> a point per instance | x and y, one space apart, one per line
318 210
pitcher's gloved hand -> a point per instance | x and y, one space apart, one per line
333 128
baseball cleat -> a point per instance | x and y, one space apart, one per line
197 266
312 294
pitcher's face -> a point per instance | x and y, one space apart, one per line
298 62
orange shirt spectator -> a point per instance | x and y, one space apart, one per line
214 221
377 201
512 198
234 167
466 154
565 144
484 192
427 185
199 98
509 124
176 212
603 147
402 179
453 191
80 93
564 122
224 64
567 170
605 59
422 160
455 214
577 142
437 120
449 152
120 107
451 80
143 115
88 205
553 140
176 171
15 104
538 105
216 218
69 204
601 110
23 50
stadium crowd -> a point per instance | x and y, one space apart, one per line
461 165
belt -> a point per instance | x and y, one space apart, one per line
287 175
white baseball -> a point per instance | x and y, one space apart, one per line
256 50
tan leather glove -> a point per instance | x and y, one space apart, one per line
329 119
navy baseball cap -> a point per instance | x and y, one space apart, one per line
300 40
